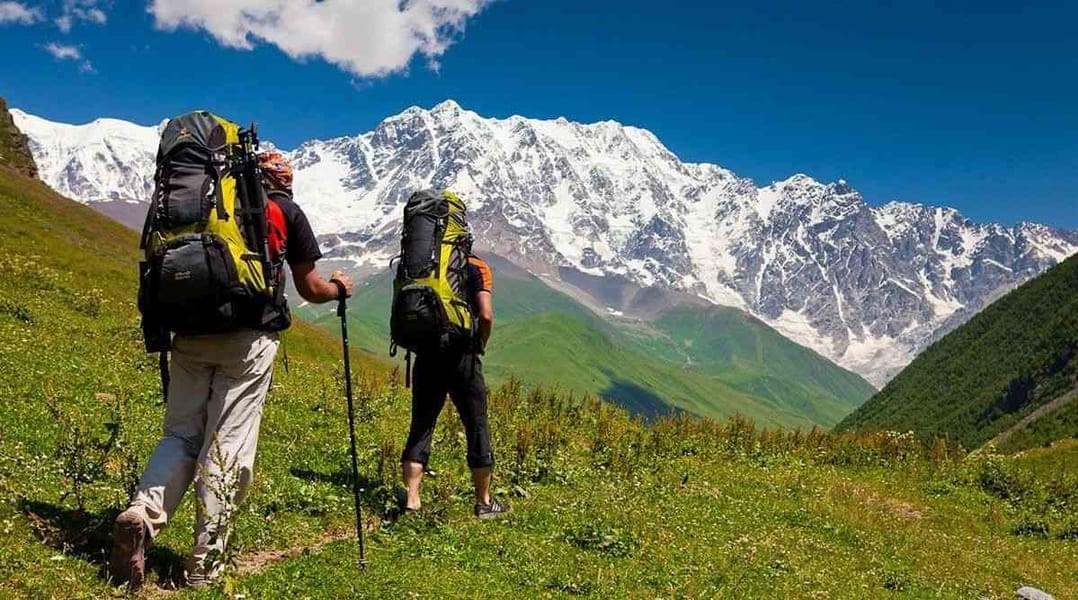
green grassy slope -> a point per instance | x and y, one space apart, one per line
1062 423
758 360
603 506
1015 356
714 362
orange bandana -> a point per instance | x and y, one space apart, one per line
276 168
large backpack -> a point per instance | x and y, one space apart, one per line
207 267
430 310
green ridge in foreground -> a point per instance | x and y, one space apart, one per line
709 361
982 379
604 506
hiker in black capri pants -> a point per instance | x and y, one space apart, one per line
458 373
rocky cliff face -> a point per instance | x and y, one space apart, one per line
14 145
867 286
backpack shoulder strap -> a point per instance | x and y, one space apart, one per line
147 225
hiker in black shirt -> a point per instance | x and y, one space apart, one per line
216 394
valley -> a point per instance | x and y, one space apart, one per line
707 360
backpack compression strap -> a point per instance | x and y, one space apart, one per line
166 377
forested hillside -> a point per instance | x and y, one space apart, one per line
1015 365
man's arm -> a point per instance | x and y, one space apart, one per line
486 315
314 288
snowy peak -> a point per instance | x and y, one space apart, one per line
104 160
802 190
867 286
447 107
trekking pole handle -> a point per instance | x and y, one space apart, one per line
342 297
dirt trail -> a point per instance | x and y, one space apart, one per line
255 562
1033 416
252 563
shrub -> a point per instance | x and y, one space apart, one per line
17 311
993 476
1068 529
87 448
1031 525
612 542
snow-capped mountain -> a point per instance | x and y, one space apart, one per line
108 160
866 286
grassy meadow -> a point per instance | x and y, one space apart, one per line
605 506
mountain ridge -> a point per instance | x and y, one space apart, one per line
866 286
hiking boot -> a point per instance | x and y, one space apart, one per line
203 572
201 580
491 511
128 560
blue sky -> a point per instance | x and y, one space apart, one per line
972 105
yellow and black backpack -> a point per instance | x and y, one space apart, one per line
430 309
207 267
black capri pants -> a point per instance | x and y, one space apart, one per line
460 375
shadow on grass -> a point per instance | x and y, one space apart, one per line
637 399
88 536
340 478
384 500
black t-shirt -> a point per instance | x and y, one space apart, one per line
301 245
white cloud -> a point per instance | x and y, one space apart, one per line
68 52
63 51
80 10
18 13
369 38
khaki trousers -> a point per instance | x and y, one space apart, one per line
215 398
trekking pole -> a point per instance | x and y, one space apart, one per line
342 310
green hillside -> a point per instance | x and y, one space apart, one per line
604 506
714 362
1011 371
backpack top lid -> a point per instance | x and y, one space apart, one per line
434 202
453 198
200 127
